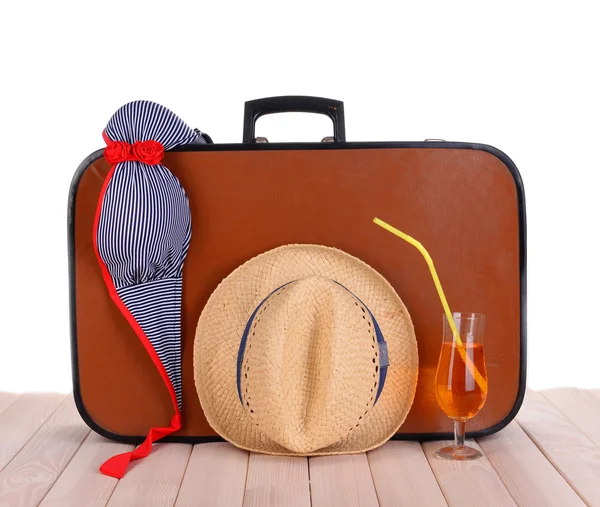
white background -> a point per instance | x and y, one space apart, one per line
521 77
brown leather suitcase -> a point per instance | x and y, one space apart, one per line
463 201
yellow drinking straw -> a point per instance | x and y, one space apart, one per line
481 381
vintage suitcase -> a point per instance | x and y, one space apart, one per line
463 201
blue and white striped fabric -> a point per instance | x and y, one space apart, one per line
143 120
144 230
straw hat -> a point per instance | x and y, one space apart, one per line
291 354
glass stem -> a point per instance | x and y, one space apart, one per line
459 431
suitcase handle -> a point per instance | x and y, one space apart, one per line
291 104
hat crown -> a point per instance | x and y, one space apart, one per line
310 369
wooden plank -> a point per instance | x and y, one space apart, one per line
572 453
402 475
154 480
81 483
6 399
581 407
30 475
342 480
467 483
527 474
277 481
21 419
215 477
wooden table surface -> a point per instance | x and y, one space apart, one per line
550 455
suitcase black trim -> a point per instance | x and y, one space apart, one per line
307 146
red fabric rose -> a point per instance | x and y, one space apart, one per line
116 151
148 152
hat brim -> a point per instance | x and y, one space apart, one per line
226 313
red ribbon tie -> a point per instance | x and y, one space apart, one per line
149 152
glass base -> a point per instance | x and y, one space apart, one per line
458 452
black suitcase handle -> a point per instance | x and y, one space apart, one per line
291 104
